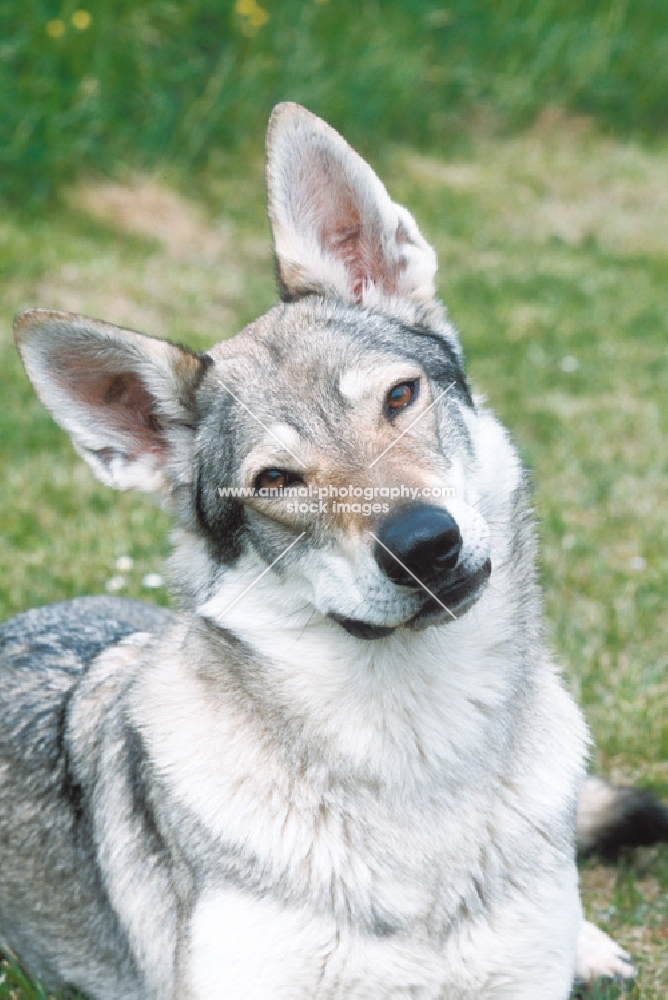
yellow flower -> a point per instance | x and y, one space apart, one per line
81 20
255 15
258 17
55 28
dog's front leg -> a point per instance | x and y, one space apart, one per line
600 957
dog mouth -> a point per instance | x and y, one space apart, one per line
447 604
363 630
458 596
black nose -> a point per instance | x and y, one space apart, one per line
425 539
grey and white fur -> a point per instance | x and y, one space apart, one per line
348 768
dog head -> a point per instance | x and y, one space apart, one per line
331 446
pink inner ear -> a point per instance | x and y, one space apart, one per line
118 399
333 208
345 243
127 399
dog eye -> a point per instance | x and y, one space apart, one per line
275 479
400 397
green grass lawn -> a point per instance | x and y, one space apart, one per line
554 265
84 83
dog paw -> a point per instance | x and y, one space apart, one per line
600 957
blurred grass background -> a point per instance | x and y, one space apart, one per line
84 84
530 141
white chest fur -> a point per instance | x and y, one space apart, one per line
363 850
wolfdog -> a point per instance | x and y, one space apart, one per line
348 768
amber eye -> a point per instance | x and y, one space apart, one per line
400 397
275 479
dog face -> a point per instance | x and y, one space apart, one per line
351 428
332 440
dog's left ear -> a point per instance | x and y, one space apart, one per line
126 400
336 230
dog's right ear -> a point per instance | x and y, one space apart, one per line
122 397
336 230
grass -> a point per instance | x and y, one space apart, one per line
86 83
554 264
